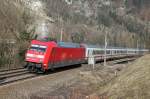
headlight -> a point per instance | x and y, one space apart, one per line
40 56
29 55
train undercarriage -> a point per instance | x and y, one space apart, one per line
34 67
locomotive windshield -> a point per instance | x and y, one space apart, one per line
39 48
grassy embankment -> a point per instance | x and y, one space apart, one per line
133 83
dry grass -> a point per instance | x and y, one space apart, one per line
133 83
74 91
101 75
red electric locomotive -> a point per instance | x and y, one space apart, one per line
42 56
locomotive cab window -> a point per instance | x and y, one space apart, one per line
42 48
39 48
33 47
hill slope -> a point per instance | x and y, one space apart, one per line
133 83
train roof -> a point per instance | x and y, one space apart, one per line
100 47
68 44
59 44
43 43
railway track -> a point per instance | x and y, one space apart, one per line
9 72
7 77
5 70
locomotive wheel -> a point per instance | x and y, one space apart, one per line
40 71
52 69
31 69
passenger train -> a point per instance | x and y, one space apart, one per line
42 56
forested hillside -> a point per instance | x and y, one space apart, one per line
124 20
127 23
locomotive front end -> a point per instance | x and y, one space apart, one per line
37 56
36 53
